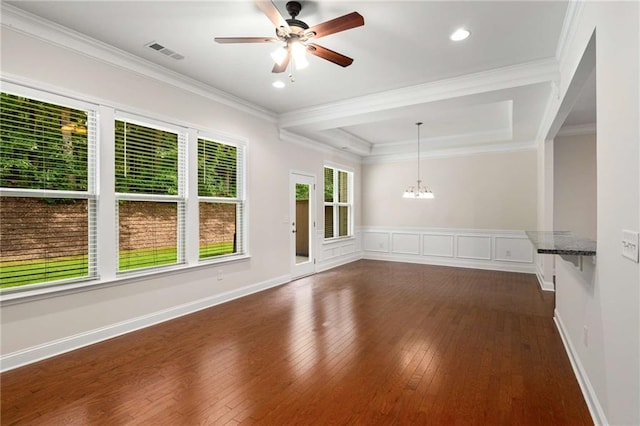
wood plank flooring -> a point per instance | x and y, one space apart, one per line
367 343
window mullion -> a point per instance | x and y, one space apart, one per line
106 212
192 218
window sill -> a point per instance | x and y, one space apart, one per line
44 291
338 240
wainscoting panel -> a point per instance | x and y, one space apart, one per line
330 254
437 245
405 243
499 250
474 247
510 249
376 241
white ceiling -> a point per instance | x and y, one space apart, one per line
488 90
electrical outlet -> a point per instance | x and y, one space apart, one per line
585 336
220 274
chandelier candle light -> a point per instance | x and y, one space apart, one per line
418 191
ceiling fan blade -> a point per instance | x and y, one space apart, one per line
272 12
346 22
245 39
283 66
329 55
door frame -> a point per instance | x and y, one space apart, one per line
307 268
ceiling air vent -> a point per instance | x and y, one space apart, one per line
160 48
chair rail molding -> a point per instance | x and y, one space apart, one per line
492 249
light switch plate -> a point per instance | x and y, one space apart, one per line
630 245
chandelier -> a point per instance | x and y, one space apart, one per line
418 191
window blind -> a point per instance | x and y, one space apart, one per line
149 185
221 198
337 202
47 197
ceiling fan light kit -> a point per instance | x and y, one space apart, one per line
297 36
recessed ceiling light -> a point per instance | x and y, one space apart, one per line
278 84
459 34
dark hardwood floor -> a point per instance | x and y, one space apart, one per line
367 343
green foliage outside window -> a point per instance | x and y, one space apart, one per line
42 145
217 169
337 199
328 184
146 160
302 191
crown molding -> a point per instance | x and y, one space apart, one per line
481 82
431 144
290 137
577 130
569 28
26 23
570 25
452 152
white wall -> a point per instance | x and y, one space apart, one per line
545 263
482 205
41 327
481 191
609 303
574 178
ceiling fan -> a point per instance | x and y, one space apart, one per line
297 36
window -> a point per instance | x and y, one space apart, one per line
338 204
47 189
52 196
220 198
149 188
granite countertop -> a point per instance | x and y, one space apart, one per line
561 242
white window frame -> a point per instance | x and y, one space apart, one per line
104 243
91 194
335 204
239 200
179 199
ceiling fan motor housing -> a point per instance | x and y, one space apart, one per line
294 8
297 26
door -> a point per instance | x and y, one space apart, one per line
302 219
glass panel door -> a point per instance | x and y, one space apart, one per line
302 223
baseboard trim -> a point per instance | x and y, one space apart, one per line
544 285
454 262
334 262
590 397
37 353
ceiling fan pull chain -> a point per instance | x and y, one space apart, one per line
291 77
